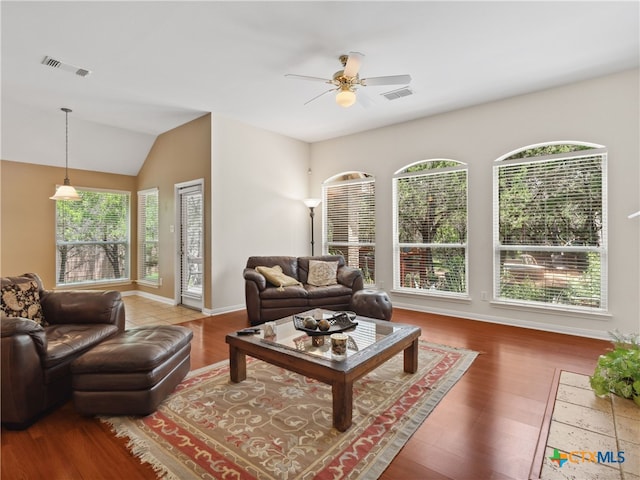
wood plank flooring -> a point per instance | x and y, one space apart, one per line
486 427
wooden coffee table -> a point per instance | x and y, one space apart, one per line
372 343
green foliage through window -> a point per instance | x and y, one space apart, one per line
148 236
92 238
551 235
431 227
349 221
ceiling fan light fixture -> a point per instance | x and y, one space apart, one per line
345 97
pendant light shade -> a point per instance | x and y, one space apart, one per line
66 190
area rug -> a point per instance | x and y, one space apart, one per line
278 424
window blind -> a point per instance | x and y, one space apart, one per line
148 237
350 223
550 230
92 238
430 223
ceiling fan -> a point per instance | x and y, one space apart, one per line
347 80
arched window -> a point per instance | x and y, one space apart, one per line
349 221
430 228
550 226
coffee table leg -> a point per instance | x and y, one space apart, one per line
411 357
342 405
237 365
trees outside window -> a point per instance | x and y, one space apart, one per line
92 238
148 235
430 227
349 221
550 227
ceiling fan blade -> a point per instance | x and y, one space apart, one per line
306 77
390 80
318 96
353 64
365 100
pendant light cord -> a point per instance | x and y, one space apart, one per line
66 145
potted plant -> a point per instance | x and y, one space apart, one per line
618 371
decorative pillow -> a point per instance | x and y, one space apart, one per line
275 276
322 273
23 300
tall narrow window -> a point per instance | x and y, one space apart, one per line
148 233
550 230
350 221
92 238
430 228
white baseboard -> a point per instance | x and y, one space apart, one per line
513 322
150 296
171 301
220 311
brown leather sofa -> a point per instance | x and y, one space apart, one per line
266 302
36 359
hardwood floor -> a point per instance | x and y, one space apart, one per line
486 427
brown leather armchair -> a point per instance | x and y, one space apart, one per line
266 302
35 368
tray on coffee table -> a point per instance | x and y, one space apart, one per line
339 322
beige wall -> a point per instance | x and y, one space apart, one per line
179 155
604 111
27 222
259 180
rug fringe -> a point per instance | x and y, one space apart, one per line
138 447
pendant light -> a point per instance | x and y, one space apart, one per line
66 190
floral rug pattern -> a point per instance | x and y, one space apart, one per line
278 424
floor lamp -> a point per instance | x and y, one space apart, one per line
312 203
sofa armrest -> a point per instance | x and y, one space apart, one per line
251 274
13 326
83 306
351 277
22 390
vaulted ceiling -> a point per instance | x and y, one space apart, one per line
157 65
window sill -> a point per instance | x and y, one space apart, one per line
462 298
94 286
551 310
146 283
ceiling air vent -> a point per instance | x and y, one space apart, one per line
53 63
398 93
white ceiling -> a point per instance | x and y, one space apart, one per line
157 65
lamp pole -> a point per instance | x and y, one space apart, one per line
311 214
312 203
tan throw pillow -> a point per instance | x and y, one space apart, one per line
23 300
275 276
322 273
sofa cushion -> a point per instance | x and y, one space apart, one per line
289 265
66 342
22 299
275 276
322 274
303 265
328 291
296 291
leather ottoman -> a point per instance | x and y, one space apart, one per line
372 303
132 372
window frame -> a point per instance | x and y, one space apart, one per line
335 182
126 278
141 235
398 246
505 161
